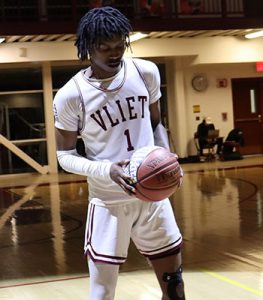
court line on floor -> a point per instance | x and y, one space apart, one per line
207 168
234 283
42 281
248 261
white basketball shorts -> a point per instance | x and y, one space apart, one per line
151 226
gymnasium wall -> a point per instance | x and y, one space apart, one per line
218 58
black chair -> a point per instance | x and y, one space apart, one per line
208 147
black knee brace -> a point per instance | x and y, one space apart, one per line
175 285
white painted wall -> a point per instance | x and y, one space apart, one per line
219 57
204 50
214 101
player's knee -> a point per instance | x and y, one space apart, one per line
175 285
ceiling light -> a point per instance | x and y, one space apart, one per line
2 40
137 36
254 35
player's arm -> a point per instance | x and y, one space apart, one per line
159 132
66 140
72 162
155 114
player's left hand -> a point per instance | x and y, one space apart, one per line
118 175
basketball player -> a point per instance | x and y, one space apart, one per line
114 106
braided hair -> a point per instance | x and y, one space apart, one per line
100 24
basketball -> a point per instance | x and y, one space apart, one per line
156 172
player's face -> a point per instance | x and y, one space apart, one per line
106 56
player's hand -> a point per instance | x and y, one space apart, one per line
118 175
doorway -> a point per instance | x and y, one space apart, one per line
247 108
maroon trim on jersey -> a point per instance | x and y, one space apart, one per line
81 122
90 223
163 251
105 90
108 261
142 77
170 252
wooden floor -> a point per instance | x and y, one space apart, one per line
219 210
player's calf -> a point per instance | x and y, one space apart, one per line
175 285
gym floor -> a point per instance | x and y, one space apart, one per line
219 209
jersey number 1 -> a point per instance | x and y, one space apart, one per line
130 146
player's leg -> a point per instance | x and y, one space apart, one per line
103 280
168 271
106 245
157 237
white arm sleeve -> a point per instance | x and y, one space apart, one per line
161 137
72 162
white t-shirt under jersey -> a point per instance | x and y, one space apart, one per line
112 116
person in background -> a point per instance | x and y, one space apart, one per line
114 105
202 134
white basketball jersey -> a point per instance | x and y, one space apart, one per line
112 116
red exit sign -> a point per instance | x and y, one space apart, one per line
259 66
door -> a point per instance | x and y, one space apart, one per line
248 106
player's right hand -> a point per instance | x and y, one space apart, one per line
118 175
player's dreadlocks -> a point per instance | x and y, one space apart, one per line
99 24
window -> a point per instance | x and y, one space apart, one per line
22 116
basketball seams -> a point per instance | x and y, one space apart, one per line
172 190
175 184
156 171
172 184
167 164
142 195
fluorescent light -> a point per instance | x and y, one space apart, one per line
2 40
137 36
254 35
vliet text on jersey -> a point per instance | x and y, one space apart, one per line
126 110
